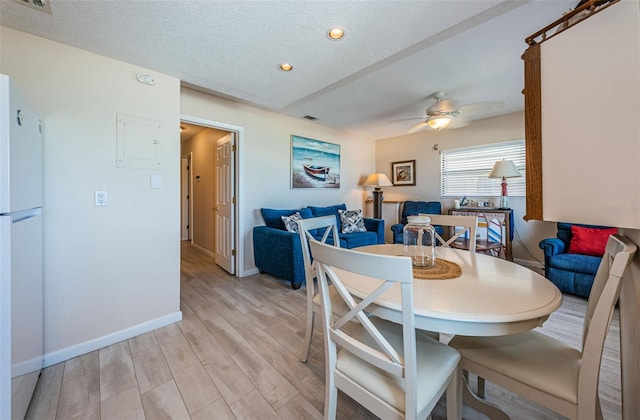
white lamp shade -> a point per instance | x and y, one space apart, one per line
504 169
377 180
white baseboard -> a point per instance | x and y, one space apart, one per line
104 341
248 272
27 366
203 250
243 273
533 265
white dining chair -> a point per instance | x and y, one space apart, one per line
388 368
469 225
328 228
545 370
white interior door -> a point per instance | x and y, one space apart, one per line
224 200
185 193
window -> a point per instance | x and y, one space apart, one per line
464 172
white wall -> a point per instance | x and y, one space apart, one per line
265 168
601 187
113 272
420 146
110 272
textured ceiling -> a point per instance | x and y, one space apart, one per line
395 53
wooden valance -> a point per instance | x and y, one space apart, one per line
586 10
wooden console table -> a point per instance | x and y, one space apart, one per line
506 215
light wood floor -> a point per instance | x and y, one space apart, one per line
235 355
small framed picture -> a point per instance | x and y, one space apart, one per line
403 173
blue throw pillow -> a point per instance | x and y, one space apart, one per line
328 211
273 217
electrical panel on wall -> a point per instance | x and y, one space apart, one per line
138 142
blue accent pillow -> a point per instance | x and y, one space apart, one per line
273 217
327 211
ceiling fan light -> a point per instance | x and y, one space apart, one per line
440 122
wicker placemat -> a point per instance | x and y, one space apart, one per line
443 270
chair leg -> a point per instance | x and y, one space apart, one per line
330 388
479 383
308 334
331 400
480 388
454 396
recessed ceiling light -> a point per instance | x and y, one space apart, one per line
335 33
286 67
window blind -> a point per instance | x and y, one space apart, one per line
464 172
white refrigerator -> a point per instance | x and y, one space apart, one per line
21 272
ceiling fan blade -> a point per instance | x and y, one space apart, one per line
406 119
459 122
417 127
444 105
481 107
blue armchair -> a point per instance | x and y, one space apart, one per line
279 253
571 273
413 208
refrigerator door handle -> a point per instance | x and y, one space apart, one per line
18 216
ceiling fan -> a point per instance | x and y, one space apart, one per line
446 113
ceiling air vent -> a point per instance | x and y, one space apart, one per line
310 117
43 5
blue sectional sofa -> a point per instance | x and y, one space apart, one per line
570 272
278 252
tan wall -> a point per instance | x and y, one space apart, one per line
420 146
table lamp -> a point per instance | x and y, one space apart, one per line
504 169
377 181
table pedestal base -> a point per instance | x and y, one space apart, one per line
488 409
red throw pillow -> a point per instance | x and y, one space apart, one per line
589 241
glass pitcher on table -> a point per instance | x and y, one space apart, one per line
419 241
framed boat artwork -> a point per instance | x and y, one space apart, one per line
314 163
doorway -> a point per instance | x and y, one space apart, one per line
186 214
209 194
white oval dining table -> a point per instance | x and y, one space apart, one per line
491 297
